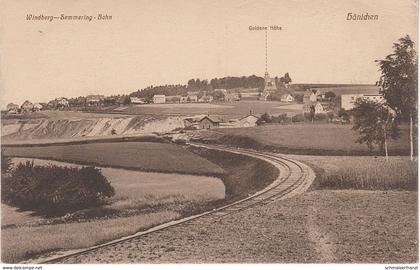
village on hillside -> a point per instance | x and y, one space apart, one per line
322 102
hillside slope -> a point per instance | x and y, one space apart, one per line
86 127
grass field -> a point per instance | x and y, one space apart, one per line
141 200
303 138
244 175
362 172
144 156
23 242
224 109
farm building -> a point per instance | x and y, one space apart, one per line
192 93
27 106
136 100
62 103
94 99
205 99
232 97
248 121
189 99
159 99
173 99
208 122
320 107
192 123
38 107
192 98
287 98
12 108
348 101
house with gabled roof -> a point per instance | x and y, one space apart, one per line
209 122
248 121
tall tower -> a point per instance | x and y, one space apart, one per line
270 84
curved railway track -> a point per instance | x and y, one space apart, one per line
294 178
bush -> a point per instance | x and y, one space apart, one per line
6 164
54 190
298 118
320 116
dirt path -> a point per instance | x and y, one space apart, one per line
320 238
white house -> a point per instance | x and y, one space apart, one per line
159 99
12 108
192 98
94 99
63 102
287 98
319 107
136 100
37 107
348 101
206 98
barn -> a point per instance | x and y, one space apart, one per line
248 121
208 122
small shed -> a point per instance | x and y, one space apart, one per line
287 98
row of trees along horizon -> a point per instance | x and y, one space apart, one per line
201 86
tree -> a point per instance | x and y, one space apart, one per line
376 124
312 113
6 164
287 78
330 95
344 115
398 82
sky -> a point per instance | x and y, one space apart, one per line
155 42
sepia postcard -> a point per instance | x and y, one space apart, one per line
248 132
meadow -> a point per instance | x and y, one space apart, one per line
363 172
226 110
303 138
144 156
141 200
